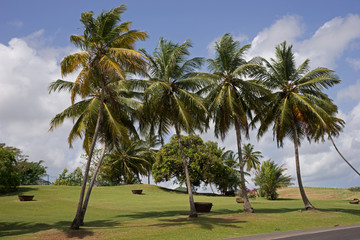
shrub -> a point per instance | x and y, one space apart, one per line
270 177
354 189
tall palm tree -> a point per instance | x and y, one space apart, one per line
170 99
251 157
297 107
108 54
230 97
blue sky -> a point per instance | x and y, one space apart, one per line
34 37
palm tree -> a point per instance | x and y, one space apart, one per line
128 161
251 157
297 108
108 54
169 99
332 128
230 98
269 176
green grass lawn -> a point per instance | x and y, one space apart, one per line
116 213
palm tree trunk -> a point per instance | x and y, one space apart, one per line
308 205
193 212
342 155
149 174
77 222
247 205
87 197
211 188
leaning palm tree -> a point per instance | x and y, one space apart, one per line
331 129
231 98
169 98
297 108
251 157
107 55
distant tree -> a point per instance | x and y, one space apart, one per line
30 172
72 179
127 162
251 157
204 164
9 176
270 177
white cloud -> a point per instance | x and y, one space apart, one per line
27 108
17 24
354 63
323 48
288 28
330 41
349 93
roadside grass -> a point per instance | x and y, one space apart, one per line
116 213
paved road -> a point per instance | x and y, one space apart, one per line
351 232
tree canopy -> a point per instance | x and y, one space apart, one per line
204 162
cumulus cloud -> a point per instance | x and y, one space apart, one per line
330 41
288 28
27 108
324 47
349 93
354 63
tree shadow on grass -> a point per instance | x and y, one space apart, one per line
355 212
207 223
204 220
19 190
20 228
300 208
161 214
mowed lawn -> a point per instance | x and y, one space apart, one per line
116 213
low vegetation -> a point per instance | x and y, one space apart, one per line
354 189
158 213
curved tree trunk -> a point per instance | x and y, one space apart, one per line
308 205
247 205
77 222
342 155
193 212
92 182
211 188
149 175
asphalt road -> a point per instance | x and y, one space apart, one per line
351 232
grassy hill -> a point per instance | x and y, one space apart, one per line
116 213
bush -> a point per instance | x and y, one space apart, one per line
250 193
354 189
71 179
270 177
